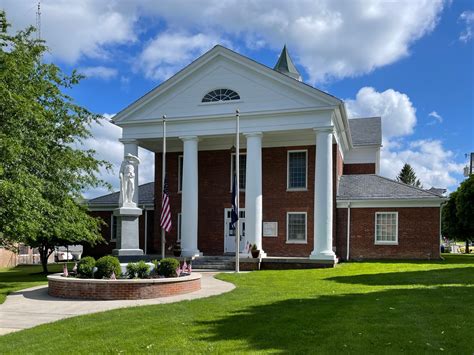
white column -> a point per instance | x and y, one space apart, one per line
189 197
323 195
131 147
253 190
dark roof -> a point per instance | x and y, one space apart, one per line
146 195
285 65
437 191
366 131
375 187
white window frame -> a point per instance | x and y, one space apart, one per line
112 239
386 242
232 169
288 188
178 235
305 228
180 157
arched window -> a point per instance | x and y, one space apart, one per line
220 95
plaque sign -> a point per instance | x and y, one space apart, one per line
270 229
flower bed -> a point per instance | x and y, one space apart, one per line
121 289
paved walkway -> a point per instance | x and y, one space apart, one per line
33 306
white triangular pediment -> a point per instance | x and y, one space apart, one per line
260 89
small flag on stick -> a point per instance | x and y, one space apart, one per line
165 220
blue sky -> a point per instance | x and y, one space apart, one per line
410 62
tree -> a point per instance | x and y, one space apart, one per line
42 168
407 175
458 213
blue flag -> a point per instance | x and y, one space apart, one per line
234 215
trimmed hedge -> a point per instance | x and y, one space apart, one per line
85 267
143 269
168 267
106 265
132 270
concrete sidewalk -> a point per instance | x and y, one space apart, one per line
33 306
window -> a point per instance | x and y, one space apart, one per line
180 173
242 170
113 228
386 228
178 237
297 167
220 95
296 227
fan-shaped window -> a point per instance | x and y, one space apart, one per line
220 95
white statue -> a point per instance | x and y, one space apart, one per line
127 180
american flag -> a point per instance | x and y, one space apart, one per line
165 220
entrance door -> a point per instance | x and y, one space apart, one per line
229 234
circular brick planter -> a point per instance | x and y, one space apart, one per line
123 289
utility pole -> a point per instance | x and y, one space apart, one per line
38 21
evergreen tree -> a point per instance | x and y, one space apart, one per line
407 175
42 170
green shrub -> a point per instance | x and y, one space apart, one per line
85 266
106 265
132 269
143 269
168 267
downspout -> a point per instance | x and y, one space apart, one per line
348 230
146 230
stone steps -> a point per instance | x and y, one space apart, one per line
213 262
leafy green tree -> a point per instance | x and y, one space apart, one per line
42 168
407 175
458 213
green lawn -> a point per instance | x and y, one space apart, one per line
20 277
369 307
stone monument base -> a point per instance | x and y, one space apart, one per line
127 231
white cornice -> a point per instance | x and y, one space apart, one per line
391 203
231 115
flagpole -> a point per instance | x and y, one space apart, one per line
237 189
163 172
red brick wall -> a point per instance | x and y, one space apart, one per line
118 290
418 234
215 195
352 169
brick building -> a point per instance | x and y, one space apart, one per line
308 177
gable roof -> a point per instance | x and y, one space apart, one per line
146 196
366 131
230 54
375 187
285 65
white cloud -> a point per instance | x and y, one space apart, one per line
168 52
100 72
330 39
105 141
468 18
433 163
437 117
74 29
395 108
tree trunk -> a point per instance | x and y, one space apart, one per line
467 246
44 256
